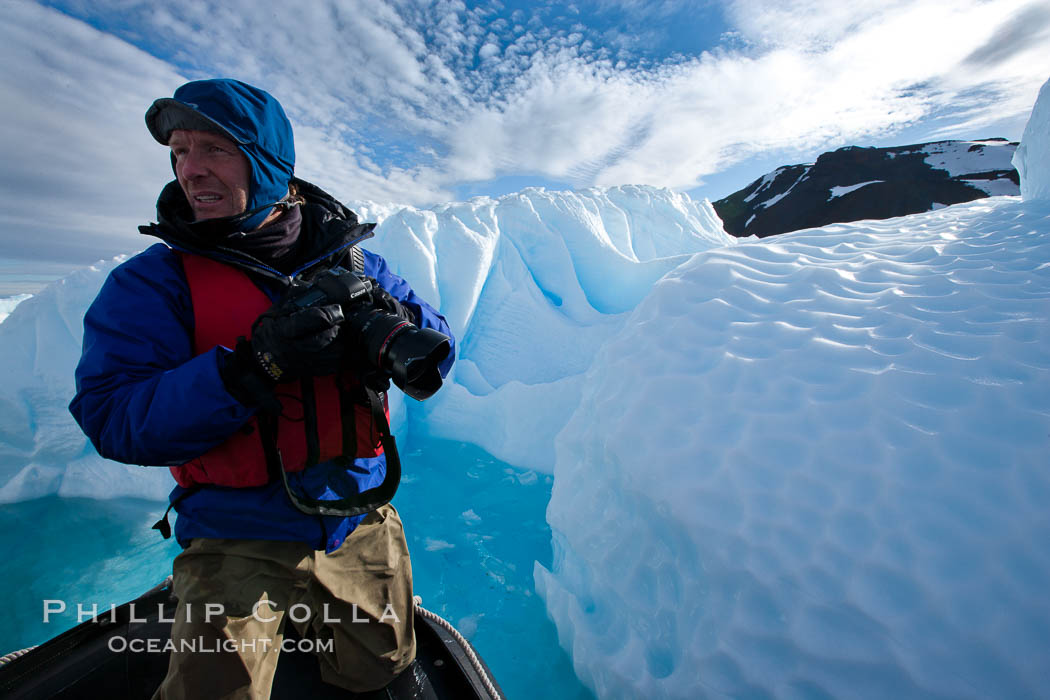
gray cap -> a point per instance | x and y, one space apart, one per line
168 114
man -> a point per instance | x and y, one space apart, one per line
203 355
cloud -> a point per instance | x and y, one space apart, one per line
405 100
811 75
80 170
1024 31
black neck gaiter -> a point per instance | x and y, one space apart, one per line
276 243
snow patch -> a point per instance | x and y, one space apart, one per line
773 200
1003 187
766 180
843 190
966 157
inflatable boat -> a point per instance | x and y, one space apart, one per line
111 657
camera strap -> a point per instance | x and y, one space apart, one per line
358 503
357 260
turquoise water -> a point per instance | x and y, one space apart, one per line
475 526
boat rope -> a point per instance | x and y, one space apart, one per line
474 660
14 655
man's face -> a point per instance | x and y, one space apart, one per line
213 173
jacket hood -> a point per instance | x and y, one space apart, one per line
327 228
251 118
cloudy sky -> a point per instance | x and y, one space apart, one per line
417 102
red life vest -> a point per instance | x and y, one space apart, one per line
225 304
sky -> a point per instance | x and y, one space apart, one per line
410 102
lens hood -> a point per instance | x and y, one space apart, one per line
413 358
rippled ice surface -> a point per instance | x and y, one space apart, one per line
475 526
829 451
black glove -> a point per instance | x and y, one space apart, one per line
385 301
287 343
247 382
291 342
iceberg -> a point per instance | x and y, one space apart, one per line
815 466
42 450
1033 154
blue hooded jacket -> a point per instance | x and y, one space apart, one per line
144 397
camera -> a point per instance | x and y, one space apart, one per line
382 341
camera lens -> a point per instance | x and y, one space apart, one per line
408 354
383 340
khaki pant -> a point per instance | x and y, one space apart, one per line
353 606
